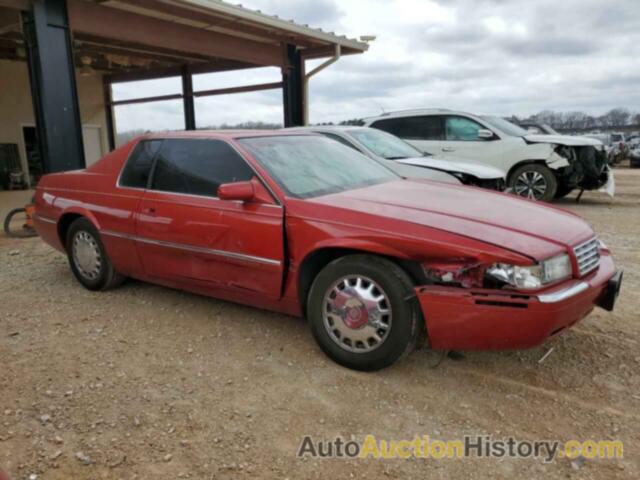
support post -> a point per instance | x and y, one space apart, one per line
293 88
187 97
53 85
108 108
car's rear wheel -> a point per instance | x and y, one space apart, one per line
534 181
359 312
88 258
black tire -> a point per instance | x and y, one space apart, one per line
530 175
11 230
563 191
102 275
404 323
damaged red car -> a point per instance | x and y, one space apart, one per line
302 225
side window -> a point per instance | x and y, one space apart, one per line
390 126
461 129
136 172
412 128
339 139
198 167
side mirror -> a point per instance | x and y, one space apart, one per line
243 191
485 134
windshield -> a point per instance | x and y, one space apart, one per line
384 144
550 130
505 126
308 166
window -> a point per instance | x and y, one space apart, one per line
505 126
412 128
339 139
534 129
308 166
198 167
461 129
136 171
385 145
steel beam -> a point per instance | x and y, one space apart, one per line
53 85
187 98
108 108
293 88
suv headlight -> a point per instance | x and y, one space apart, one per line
534 276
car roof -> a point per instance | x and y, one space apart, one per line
220 134
326 128
416 111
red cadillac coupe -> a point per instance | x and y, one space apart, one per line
302 225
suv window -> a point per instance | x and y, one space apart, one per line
136 172
198 167
461 129
412 128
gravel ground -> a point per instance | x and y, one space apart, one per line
145 382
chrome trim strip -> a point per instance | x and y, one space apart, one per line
44 219
192 248
560 295
240 202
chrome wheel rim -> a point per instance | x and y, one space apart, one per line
357 314
531 184
86 255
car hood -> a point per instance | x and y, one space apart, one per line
478 170
522 226
563 140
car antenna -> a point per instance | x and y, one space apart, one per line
381 108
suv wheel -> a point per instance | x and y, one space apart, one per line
534 181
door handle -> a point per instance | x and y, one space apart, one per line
448 149
149 211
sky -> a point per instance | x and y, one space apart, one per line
484 56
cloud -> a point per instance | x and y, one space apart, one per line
317 13
492 56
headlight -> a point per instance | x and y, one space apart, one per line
556 268
534 276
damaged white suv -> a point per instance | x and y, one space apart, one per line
541 167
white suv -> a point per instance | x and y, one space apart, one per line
537 166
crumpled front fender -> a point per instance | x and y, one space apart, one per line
556 161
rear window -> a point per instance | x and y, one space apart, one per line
412 128
138 168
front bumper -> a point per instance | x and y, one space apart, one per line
476 319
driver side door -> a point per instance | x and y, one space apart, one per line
461 141
186 234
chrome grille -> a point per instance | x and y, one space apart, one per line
587 255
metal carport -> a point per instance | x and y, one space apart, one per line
146 39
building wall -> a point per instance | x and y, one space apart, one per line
16 108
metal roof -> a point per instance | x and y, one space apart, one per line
274 21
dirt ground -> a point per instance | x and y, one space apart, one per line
145 382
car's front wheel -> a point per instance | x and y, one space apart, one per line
361 313
88 258
534 181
